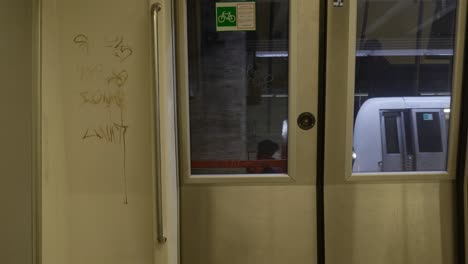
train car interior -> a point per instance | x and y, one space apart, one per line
234 132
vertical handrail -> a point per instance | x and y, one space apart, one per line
155 9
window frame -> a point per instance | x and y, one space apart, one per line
457 76
302 98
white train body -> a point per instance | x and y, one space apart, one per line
401 134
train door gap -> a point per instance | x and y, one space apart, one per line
320 195
461 164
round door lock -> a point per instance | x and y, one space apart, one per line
306 121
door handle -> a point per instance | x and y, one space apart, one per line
155 9
306 121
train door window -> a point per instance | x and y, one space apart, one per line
238 87
392 141
430 139
391 132
413 140
429 132
404 60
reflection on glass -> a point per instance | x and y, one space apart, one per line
404 65
238 86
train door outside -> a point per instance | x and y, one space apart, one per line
247 74
394 71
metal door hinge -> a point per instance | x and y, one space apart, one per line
338 3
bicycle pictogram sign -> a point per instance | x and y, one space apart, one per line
235 16
226 16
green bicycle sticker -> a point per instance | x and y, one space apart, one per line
226 16
236 16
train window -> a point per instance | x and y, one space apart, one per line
404 61
391 134
238 87
429 132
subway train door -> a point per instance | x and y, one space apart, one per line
394 72
247 76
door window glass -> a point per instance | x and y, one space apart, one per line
429 132
404 61
391 134
238 86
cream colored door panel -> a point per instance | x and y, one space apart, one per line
390 223
97 178
239 92
254 224
399 215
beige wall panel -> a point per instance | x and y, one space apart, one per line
97 134
54 221
248 225
390 223
16 134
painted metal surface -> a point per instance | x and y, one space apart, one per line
255 218
16 145
97 126
392 219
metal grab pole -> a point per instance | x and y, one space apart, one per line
155 9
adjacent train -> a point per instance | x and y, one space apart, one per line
394 134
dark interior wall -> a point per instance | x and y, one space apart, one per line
15 132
